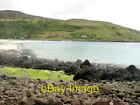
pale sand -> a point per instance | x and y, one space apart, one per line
10 44
8 47
10 41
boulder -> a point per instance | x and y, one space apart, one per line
92 72
131 68
85 71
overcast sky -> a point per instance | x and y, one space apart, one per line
123 12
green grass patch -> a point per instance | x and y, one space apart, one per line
36 74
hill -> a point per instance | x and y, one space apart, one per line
18 25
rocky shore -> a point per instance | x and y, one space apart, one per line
92 72
24 91
117 85
81 69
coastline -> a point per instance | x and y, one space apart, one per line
34 40
11 44
119 92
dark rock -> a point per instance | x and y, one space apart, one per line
107 72
86 63
131 68
85 72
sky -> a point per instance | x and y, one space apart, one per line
122 12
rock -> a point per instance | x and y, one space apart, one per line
102 101
137 91
26 101
131 68
137 94
67 100
121 95
135 104
92 72
105 101
85 72
40 102
20 91
85 64
76 102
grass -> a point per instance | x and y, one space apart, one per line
36 74
17 25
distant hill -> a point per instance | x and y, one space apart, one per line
18 25
9 14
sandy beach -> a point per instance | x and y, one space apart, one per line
10 44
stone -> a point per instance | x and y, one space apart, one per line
106 101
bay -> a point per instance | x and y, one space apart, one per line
123 53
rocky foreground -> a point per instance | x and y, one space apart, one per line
24 91
117 85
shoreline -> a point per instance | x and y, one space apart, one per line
21 41
9 46
6 45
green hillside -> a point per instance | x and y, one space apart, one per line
18 25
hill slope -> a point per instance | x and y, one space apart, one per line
18 25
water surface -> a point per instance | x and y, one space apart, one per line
105 52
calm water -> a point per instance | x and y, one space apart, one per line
106 52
